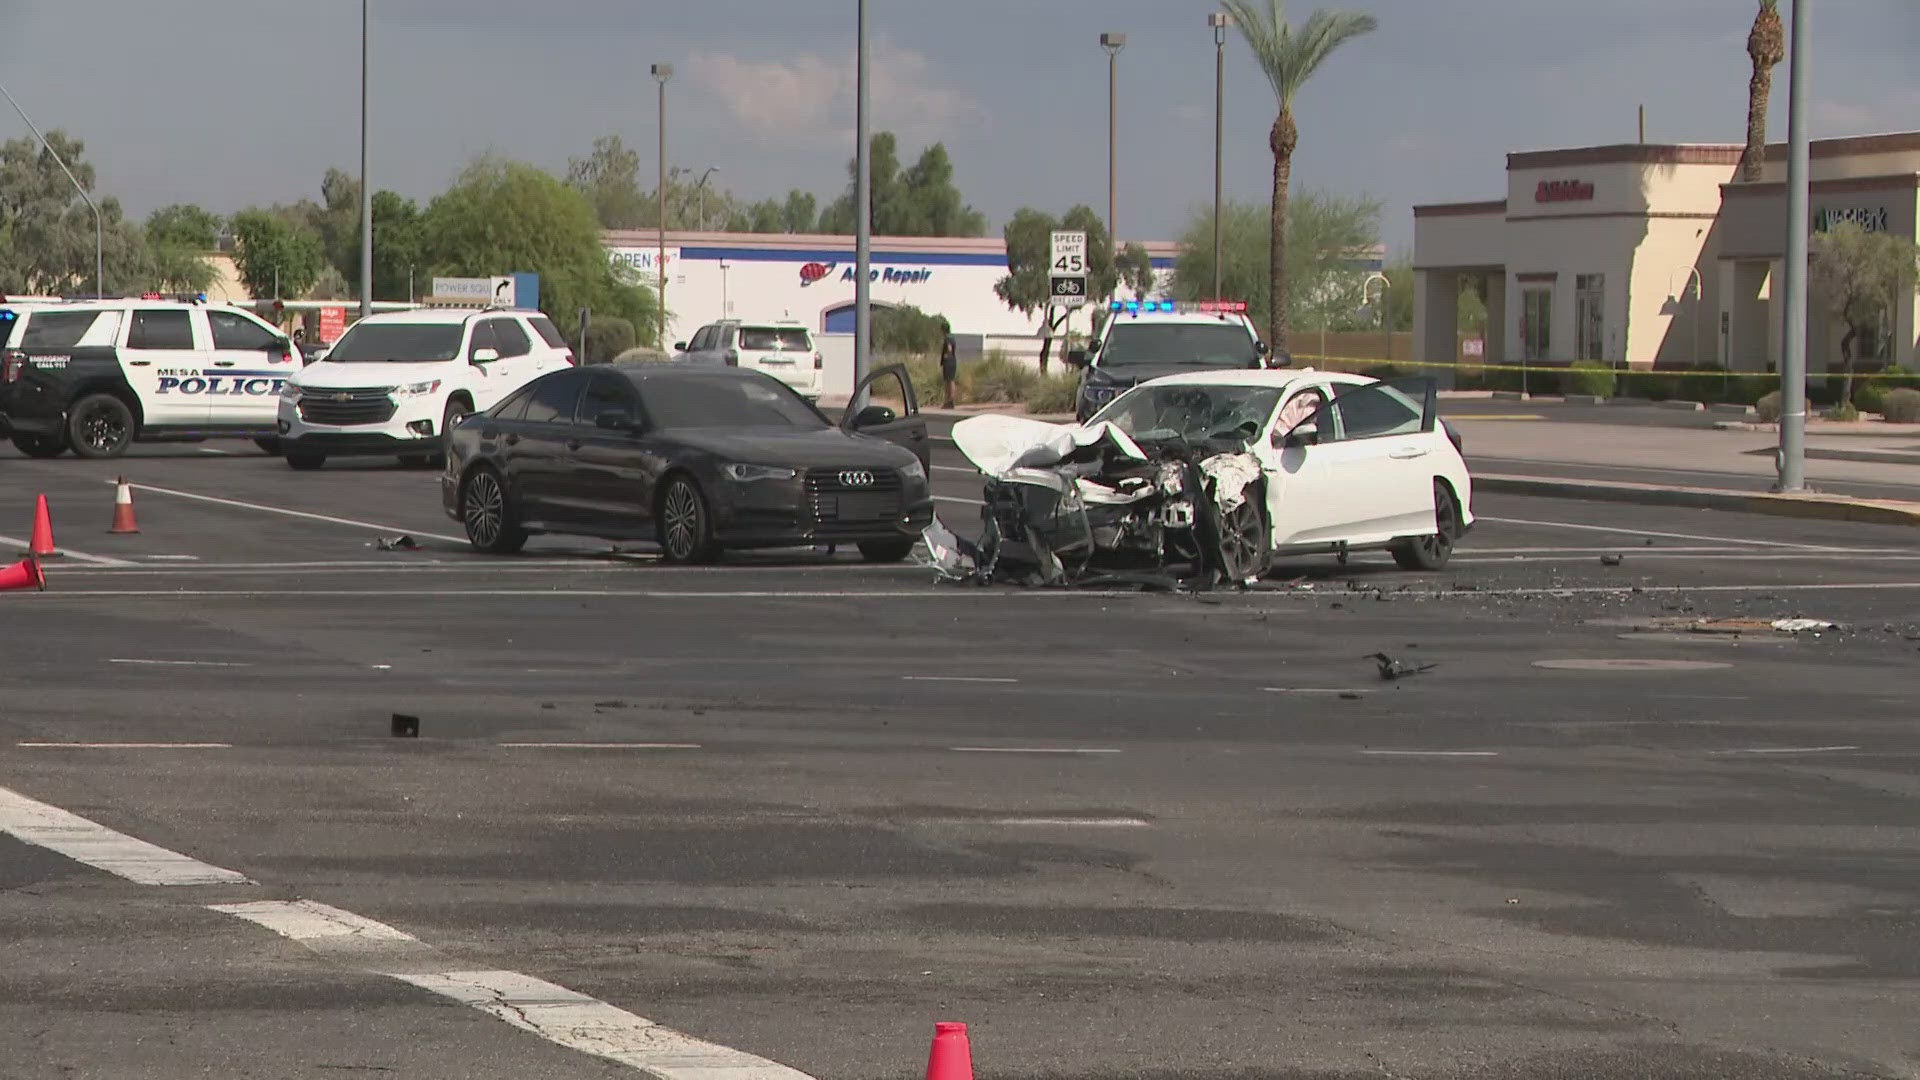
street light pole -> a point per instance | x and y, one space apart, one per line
1793 361
366 185
1113 43
661 73
1219 20
862 215
99 246
702 187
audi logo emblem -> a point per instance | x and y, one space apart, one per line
856 478
343 397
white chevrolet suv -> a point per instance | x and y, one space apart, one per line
396 383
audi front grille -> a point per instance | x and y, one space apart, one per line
854 495
366 405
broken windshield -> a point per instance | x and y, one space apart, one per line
1188 412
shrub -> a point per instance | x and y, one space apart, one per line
1747 389
1893 376
1651 385
607 338
1054 393
923 372
1596 381
1869 397
1711 384
1844 412
1768 407
906 329
997 379
1901 405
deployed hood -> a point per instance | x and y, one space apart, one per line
799 449
998 445
328 376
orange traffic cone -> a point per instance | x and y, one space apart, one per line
23 574
951 1057
41 546
123 508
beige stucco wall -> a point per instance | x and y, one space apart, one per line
226 287
1476 239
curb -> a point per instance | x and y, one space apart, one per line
1732 410
1822 507
1683 406
1585 399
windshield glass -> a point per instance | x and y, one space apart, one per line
1191 413
372 343
775 339
1215 345
727 402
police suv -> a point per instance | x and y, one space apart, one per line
1145 339
395 383
92 376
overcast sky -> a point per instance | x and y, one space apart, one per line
233 103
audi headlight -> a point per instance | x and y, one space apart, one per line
746 473
291 392
419 389
914 471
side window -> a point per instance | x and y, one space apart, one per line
703 339
509 338
55 329
611 394
482 338
1377 410
1299 408
163 329
232 330
515 407
548 332
553 398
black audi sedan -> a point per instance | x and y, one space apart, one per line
697 459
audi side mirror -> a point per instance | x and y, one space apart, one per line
485 356
873 416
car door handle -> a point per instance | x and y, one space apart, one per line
574 444
1407 453
140 363
223 363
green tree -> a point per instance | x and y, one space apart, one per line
397 255
1328 232
1135 267
47 240
1029 238
505 215
184 225
275 256
907 329
1766 47
1859 277
799 214
609 177
920 201
1288 58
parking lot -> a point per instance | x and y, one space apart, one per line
798 807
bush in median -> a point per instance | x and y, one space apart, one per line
1900 406
1768 407
1598 382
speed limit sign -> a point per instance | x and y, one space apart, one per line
1067 270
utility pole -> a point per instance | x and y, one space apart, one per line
366 181
1219 20
862 215
661 73
1793 362
1113 43
99 246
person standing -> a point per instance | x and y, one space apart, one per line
949 360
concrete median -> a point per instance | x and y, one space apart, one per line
1806 505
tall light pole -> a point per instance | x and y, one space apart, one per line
1113 43
99 247
1793 361
1219 20
862 215
702 187
661 73
366 184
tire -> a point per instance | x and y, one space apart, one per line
100 426
1246 548
40 446
488 516
305 460
686 526
1432 552
269 445
886 551
456 411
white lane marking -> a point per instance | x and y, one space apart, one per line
66 553
176 663
1663 535
598 745
1031 750
1432 753
265 509
211 450
958 469
1656 555
468 567
1789 750
963 502
1313 690
104 849
125 745
309 921
591 1026
1073 823
171 558
956 678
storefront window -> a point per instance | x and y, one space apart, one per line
1536 323
1589 315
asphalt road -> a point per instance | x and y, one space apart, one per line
801 808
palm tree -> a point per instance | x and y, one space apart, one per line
1289 58
1767 45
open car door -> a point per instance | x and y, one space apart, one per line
1366 475
892 412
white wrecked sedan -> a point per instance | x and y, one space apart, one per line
1209 476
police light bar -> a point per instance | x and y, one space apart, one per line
1204 307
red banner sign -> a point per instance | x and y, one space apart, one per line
1563 191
